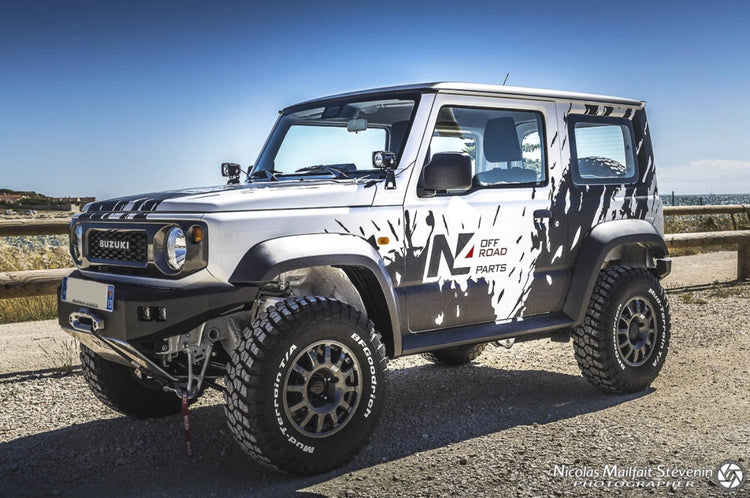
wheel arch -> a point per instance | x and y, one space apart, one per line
632 242
356 256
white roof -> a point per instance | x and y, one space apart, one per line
484 89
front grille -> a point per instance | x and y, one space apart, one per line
118 245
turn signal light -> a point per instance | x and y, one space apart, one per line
196 234
383 241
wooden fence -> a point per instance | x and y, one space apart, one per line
45 282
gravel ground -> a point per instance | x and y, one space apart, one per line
496 427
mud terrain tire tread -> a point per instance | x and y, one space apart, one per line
593 341
261 344
116 386
457 355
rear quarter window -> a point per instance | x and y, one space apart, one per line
602 150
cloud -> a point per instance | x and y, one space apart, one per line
702 176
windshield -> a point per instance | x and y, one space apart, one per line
336 139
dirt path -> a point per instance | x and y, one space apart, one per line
497 427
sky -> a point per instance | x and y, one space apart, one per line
109 98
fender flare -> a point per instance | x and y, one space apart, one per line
601 240
267 259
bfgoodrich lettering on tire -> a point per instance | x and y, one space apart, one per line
622 344
306 385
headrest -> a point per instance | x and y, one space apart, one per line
501 141
499 176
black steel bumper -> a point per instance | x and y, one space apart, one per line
185 309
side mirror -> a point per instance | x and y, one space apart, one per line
231 171
448 171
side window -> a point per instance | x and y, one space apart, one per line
505 146
602 150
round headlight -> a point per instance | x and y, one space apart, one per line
78 242
176 248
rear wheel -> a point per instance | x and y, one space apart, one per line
306 385
622 344
457 355
116 386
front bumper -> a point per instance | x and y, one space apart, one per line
185 310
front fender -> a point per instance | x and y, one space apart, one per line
266 260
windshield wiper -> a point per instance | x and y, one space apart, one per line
322 167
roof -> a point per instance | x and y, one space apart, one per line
483 89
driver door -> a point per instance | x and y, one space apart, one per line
474 254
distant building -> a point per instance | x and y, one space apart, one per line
11 197
73 204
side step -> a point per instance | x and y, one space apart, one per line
536 327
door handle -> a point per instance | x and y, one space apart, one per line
542 213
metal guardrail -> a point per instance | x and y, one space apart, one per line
45 282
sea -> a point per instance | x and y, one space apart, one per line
704 199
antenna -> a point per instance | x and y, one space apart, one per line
506 78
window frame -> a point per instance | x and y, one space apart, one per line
274 139
573 119
478 188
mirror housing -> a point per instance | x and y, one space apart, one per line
448 171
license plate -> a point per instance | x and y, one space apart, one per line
89 294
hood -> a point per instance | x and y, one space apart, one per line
243 197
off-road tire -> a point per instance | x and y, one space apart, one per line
456 355
116 386
265 381
604 340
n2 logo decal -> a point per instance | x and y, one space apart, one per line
467 255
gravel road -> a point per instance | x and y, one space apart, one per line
496 427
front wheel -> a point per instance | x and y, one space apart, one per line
116 386
622 344
306 385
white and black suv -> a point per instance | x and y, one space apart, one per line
432 218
